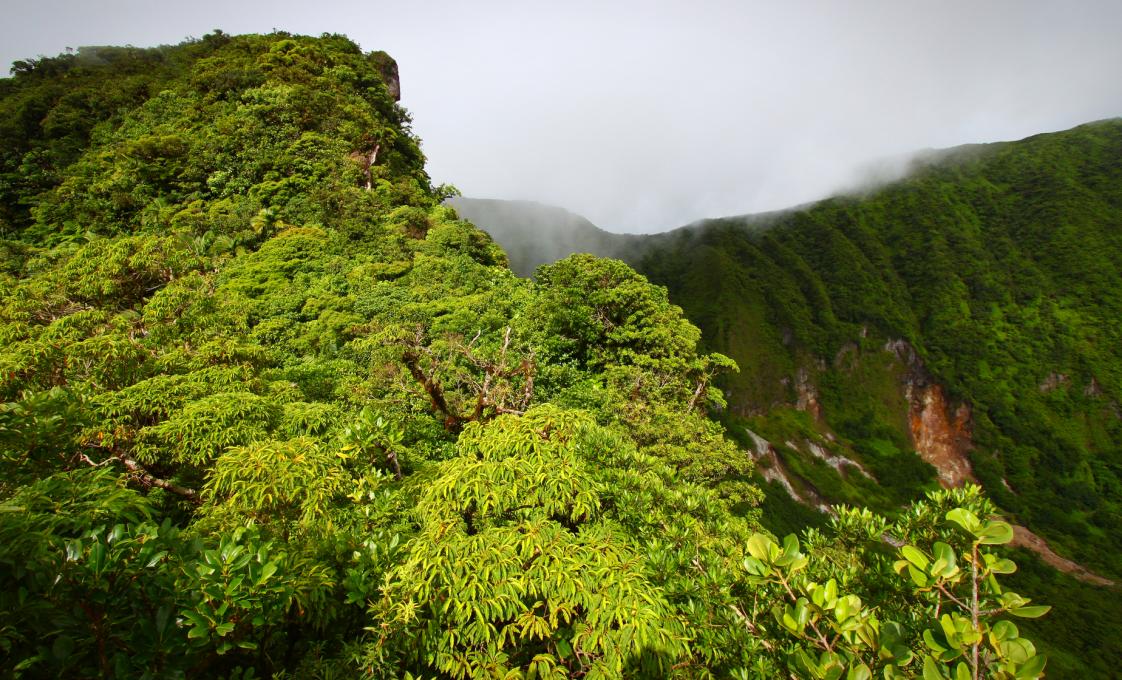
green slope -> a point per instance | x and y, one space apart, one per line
998 263
269 409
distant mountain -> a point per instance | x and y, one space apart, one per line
534 234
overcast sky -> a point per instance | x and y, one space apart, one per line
648 115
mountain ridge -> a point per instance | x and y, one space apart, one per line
268 408
700 242
500 216
996 265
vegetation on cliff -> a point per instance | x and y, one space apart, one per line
981 291
269 409
959 324
998 265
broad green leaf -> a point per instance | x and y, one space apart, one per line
931 669
758 547
996 533
918 577
790 545
1003 566
1003 630
915 556
950 630
932 643
755 567
1033 668
1018 650
945 565
859 672
965 519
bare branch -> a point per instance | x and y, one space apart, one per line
143 476
696 394
411 360
491 387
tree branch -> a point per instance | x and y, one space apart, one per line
411 359
697 393
391 456
144 477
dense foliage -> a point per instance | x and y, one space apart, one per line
998 267
998 264
269 410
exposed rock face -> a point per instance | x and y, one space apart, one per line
904 352
1023 538
838 462
1053 381
849 349
772 469
942 436
807 394
387 68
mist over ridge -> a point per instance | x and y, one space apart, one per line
534 233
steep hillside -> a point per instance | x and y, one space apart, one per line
969 313
269 409
969 310
259 390
958 325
